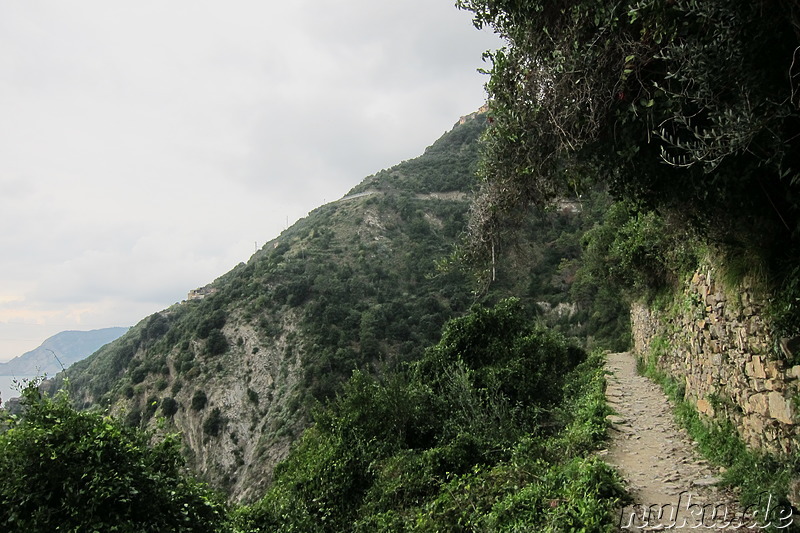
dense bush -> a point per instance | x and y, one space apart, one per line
214 321
216 343
484 433
199 400
213 423
64 470
169 406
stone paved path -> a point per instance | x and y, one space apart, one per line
657 458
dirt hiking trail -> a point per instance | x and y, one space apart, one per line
657 458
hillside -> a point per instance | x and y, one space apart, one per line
688 114
355 285
63 348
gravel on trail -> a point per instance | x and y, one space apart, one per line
672 486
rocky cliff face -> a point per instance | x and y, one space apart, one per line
247 422
718 344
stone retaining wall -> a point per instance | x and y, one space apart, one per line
718 344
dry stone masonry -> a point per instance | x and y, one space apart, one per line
718 344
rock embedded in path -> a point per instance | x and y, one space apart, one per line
617 420
706 481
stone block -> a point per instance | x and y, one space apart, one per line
744 298
741 339
794 372
755 368
758 404
753 424
704 407
780 408
774 369
773 384
707 481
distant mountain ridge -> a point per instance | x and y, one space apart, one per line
68 346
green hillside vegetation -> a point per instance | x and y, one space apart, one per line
686 111
493 429
558 253
358 274
363 283
490 431
448 165
64 470
647 136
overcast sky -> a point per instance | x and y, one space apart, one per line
147 146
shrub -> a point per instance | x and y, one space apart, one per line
212 322
213 423
252 396
216 343
169 407
64 470
138 375
150 408
199 400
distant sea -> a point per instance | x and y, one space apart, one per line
7 387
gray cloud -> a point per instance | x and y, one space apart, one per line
146 147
